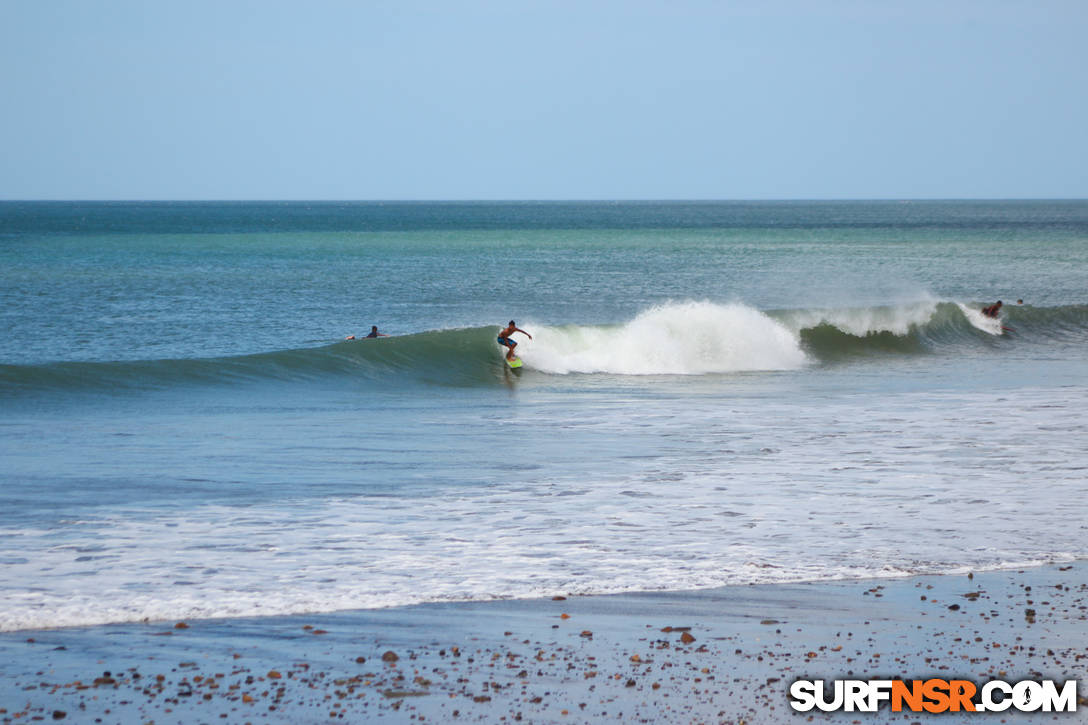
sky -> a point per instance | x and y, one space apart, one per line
473 99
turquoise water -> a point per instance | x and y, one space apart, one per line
715 393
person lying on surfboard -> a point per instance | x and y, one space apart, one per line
993 310
373 333
504 338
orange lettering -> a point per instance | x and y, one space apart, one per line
936 691
961 693
912 695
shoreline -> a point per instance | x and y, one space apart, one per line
717 655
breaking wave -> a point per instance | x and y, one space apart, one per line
683 338
690 338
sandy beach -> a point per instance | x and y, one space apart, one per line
726 655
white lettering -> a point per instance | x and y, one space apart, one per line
989 704
836 701
1027 696
993 696
855 696
879 691
1063 701
803 694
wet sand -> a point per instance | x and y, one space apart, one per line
717 656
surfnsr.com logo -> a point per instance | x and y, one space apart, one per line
933 696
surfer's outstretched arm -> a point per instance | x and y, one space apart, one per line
506 340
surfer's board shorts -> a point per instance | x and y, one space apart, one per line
506 341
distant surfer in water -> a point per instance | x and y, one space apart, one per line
373 333
993 310
504 338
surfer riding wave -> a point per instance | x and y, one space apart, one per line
504 338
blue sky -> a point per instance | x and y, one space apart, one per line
543 100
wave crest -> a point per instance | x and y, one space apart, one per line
689 338
685 338
897 320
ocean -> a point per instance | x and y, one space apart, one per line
715 393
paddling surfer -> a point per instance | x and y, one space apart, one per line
504 338
373 333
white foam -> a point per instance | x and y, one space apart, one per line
687 338
706 490
862 321
992 325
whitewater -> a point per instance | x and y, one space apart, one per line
714 394
675 338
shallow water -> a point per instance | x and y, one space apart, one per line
714 394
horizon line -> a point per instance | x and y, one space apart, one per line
602 200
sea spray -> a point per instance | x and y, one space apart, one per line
898 320
679 338
686 338
184 431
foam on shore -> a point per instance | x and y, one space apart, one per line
722 655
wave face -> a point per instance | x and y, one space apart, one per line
930 328
685 338
450 357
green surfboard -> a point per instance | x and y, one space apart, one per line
514 362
